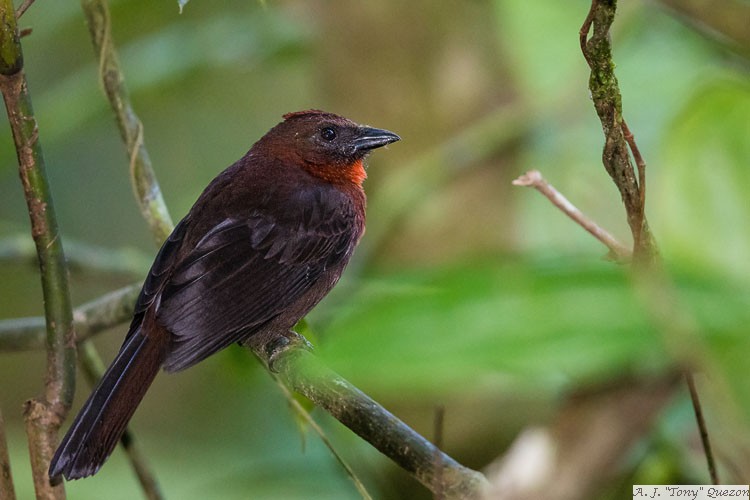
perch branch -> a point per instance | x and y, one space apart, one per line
300 370
45 414
305 415
534 179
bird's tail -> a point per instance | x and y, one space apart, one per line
103 418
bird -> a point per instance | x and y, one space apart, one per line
266 240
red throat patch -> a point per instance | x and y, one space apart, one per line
352 174
356 173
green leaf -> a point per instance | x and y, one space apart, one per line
525 325
512 324
700 203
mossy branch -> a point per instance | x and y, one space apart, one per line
619 145
619 142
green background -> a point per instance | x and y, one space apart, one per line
467 292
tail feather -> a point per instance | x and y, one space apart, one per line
103 418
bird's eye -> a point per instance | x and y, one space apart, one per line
328 134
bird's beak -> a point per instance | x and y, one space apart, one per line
370 138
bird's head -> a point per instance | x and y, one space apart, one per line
326 145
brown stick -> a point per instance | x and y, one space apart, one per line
702 428
7 491
533 178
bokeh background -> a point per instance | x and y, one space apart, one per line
466 293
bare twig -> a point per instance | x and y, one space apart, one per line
726 22
21 10
91 318
305 415
43 415
702 427
300 370
533 178
640 163
147 191
7 491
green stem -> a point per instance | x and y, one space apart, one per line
145 187
303 372
44 416
91 318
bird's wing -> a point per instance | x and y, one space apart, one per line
246 271
158 275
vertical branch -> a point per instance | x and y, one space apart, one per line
145 187
702 428
619 142
619 145
44 415
7 491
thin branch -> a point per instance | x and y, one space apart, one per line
300 370
44 415
7 491
305 415
147 191
640 163
726 22
23 8
702 427
91 318
533 178
93 368
80 256
605 92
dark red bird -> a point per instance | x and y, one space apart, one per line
264 243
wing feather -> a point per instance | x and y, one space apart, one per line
245 272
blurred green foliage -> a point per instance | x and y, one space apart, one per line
482 298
